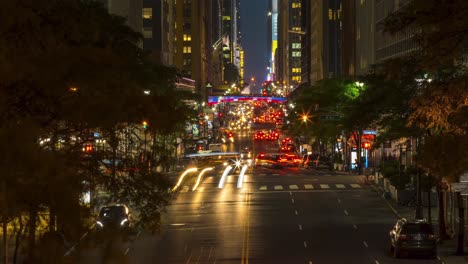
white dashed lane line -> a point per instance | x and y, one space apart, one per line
365 244
300 227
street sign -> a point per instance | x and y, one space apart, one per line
460 187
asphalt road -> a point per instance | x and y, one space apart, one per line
278 216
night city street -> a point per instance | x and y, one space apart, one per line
233 131
294 215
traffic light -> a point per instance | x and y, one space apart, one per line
366 145
145 124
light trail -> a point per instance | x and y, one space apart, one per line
224 176
182 177
199 178
241 176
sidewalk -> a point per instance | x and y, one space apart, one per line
446 249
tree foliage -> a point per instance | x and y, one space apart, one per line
69 68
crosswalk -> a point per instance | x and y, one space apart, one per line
289 187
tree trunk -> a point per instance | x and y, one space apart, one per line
18 237
429 205
461 225
5 242
441 214
32 230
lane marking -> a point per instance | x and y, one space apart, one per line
346 212
355 185
126 251
365 244
309 186
340 186
186 247
199 256
83 236
295 211
275 174
389 205
292 200
246 238
209 255
290 193
188 259
377 262
278 187
293 187
305 244
300 227
263 188
310 261
355 227
324 186
339 200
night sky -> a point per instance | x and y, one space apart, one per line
253 15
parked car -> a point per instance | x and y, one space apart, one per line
413 236
317 161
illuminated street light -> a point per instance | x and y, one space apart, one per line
305 118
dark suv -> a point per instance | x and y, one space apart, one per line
413 236
115 217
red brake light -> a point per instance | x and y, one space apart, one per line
402 237
262 155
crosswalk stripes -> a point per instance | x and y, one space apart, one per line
293 187
263 188
355 185
278 187
308 186
340 186
324 186
185 189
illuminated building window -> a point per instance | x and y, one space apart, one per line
296 5
296 70
296 78
296 45
147 32
187 49
296 53
147 13
187 37
330 14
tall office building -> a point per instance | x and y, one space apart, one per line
178 33
272 38
322 26
231 30
130 9
290 34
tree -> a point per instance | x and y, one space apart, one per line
440 105
68 69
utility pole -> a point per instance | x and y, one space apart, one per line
418 210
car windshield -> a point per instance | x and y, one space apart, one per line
112 212
417 228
